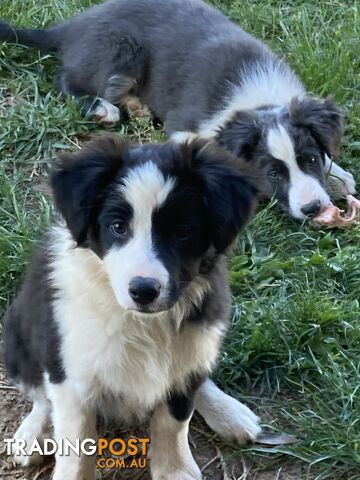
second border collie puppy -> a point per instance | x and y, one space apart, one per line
201 74
126 302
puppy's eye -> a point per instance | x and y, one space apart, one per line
118 229
274 175
312 161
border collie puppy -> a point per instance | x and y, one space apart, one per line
126 302
201 74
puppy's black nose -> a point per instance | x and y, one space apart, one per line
144 290
312 208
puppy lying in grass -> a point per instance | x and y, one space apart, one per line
201 74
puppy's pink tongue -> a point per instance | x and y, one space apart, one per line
332 216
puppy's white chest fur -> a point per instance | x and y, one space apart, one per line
111 353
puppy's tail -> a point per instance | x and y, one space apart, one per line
30 37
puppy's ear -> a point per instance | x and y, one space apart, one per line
323 118
230 194
79 182
241 135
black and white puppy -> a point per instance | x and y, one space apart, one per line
201 74
126 302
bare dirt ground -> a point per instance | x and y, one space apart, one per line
218 462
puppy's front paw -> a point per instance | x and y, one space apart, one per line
105 112
349 182
236 422
244 426
188 472
226 416
342 183
26 435
27 460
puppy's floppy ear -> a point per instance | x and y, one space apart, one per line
230 194
79 182
323 118
240 135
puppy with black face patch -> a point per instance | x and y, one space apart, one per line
201 75
126 301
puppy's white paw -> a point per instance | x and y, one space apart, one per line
27 460
226 416
106 112
341 182
343 186
348 181
234 421
25 436
188 472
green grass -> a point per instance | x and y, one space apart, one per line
294 345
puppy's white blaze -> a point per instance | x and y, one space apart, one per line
145 189
281 146
269 84
303 188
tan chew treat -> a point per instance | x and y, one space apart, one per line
332 216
